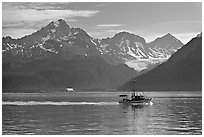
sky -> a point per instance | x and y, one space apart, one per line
104 19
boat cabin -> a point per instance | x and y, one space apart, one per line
124 97
69 90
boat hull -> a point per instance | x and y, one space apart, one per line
136 102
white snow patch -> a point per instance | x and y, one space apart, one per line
141 53
100 50
103 46
174 49
99 41
56 23
159 54
138 54
46 38
32 47
127 42
151 54
76 32
121 43
93 42
155 52
50 50
20 46
141 64
131 53
123 49
53 30
9 46
121 53
137 65
12 46
65 38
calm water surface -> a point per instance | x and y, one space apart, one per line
99 113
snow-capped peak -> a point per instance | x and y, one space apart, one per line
56 23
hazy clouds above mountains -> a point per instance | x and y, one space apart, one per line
150 20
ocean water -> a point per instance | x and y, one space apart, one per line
171 113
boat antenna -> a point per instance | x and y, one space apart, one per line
134 82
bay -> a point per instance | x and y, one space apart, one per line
99 113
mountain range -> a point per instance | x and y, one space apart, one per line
182 71
57 39
59 56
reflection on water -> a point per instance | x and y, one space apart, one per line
165 116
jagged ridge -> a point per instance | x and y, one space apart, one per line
57 39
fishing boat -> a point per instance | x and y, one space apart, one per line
136 98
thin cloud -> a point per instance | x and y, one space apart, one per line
17 14
36 5
119 30
108 33
109 25
30 15
100 5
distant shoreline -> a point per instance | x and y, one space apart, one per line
83 91
64 96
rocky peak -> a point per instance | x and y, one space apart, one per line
60 26
79 32
167 36
128 36
7 38
58 22
166 41
122 35
54 30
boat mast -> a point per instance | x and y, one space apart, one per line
134 83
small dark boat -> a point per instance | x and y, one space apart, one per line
137 98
